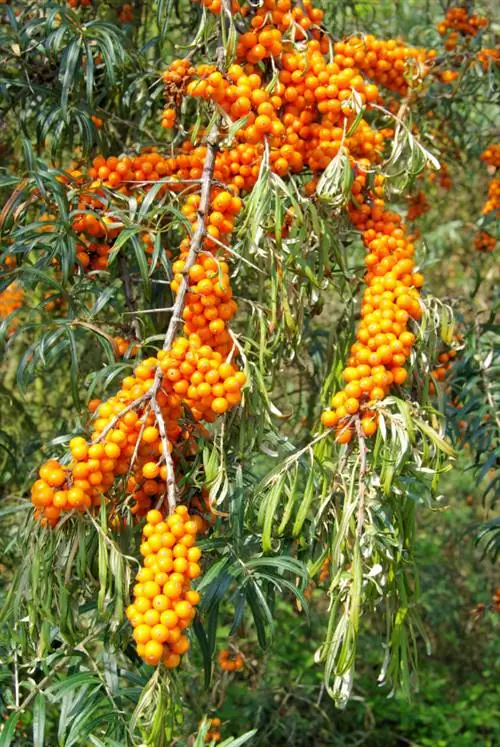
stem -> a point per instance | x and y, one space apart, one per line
56 668
129 296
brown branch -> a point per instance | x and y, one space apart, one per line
171 486
114 421
195 248
178 307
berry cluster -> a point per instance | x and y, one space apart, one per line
484 240
458 22
300 21
324 573
442 177
384 342
488 57
417 206
124 347
126 13
164 603
230 661
491 156
126 438
213 734
11 299
445 360
392 63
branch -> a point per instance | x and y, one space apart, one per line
178 307
195 248
171 486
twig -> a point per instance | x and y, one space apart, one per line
56 668
151 311
171 485
138 442
129 297
114 421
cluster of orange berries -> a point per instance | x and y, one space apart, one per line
300 21
459 22
53 302
488 56
94 465
231 662
121 436
200 375
417 206
11 299
91 255
491 155
215 6
448 76
445 360
492 204
442 177
175 79
124 347
79 3
484 241
164 603
324 573
386 62
384 342
302 118
126 13
98 122
213 734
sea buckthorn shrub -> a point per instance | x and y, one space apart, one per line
256 232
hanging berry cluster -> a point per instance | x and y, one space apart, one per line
164 604
484 240
11 299
458 23
390 302
231 661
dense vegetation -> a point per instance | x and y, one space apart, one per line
249 396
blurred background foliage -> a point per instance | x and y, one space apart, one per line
77 81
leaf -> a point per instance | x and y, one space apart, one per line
230 742
39 720
71 683
261 613
9 729
69 62
205 649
